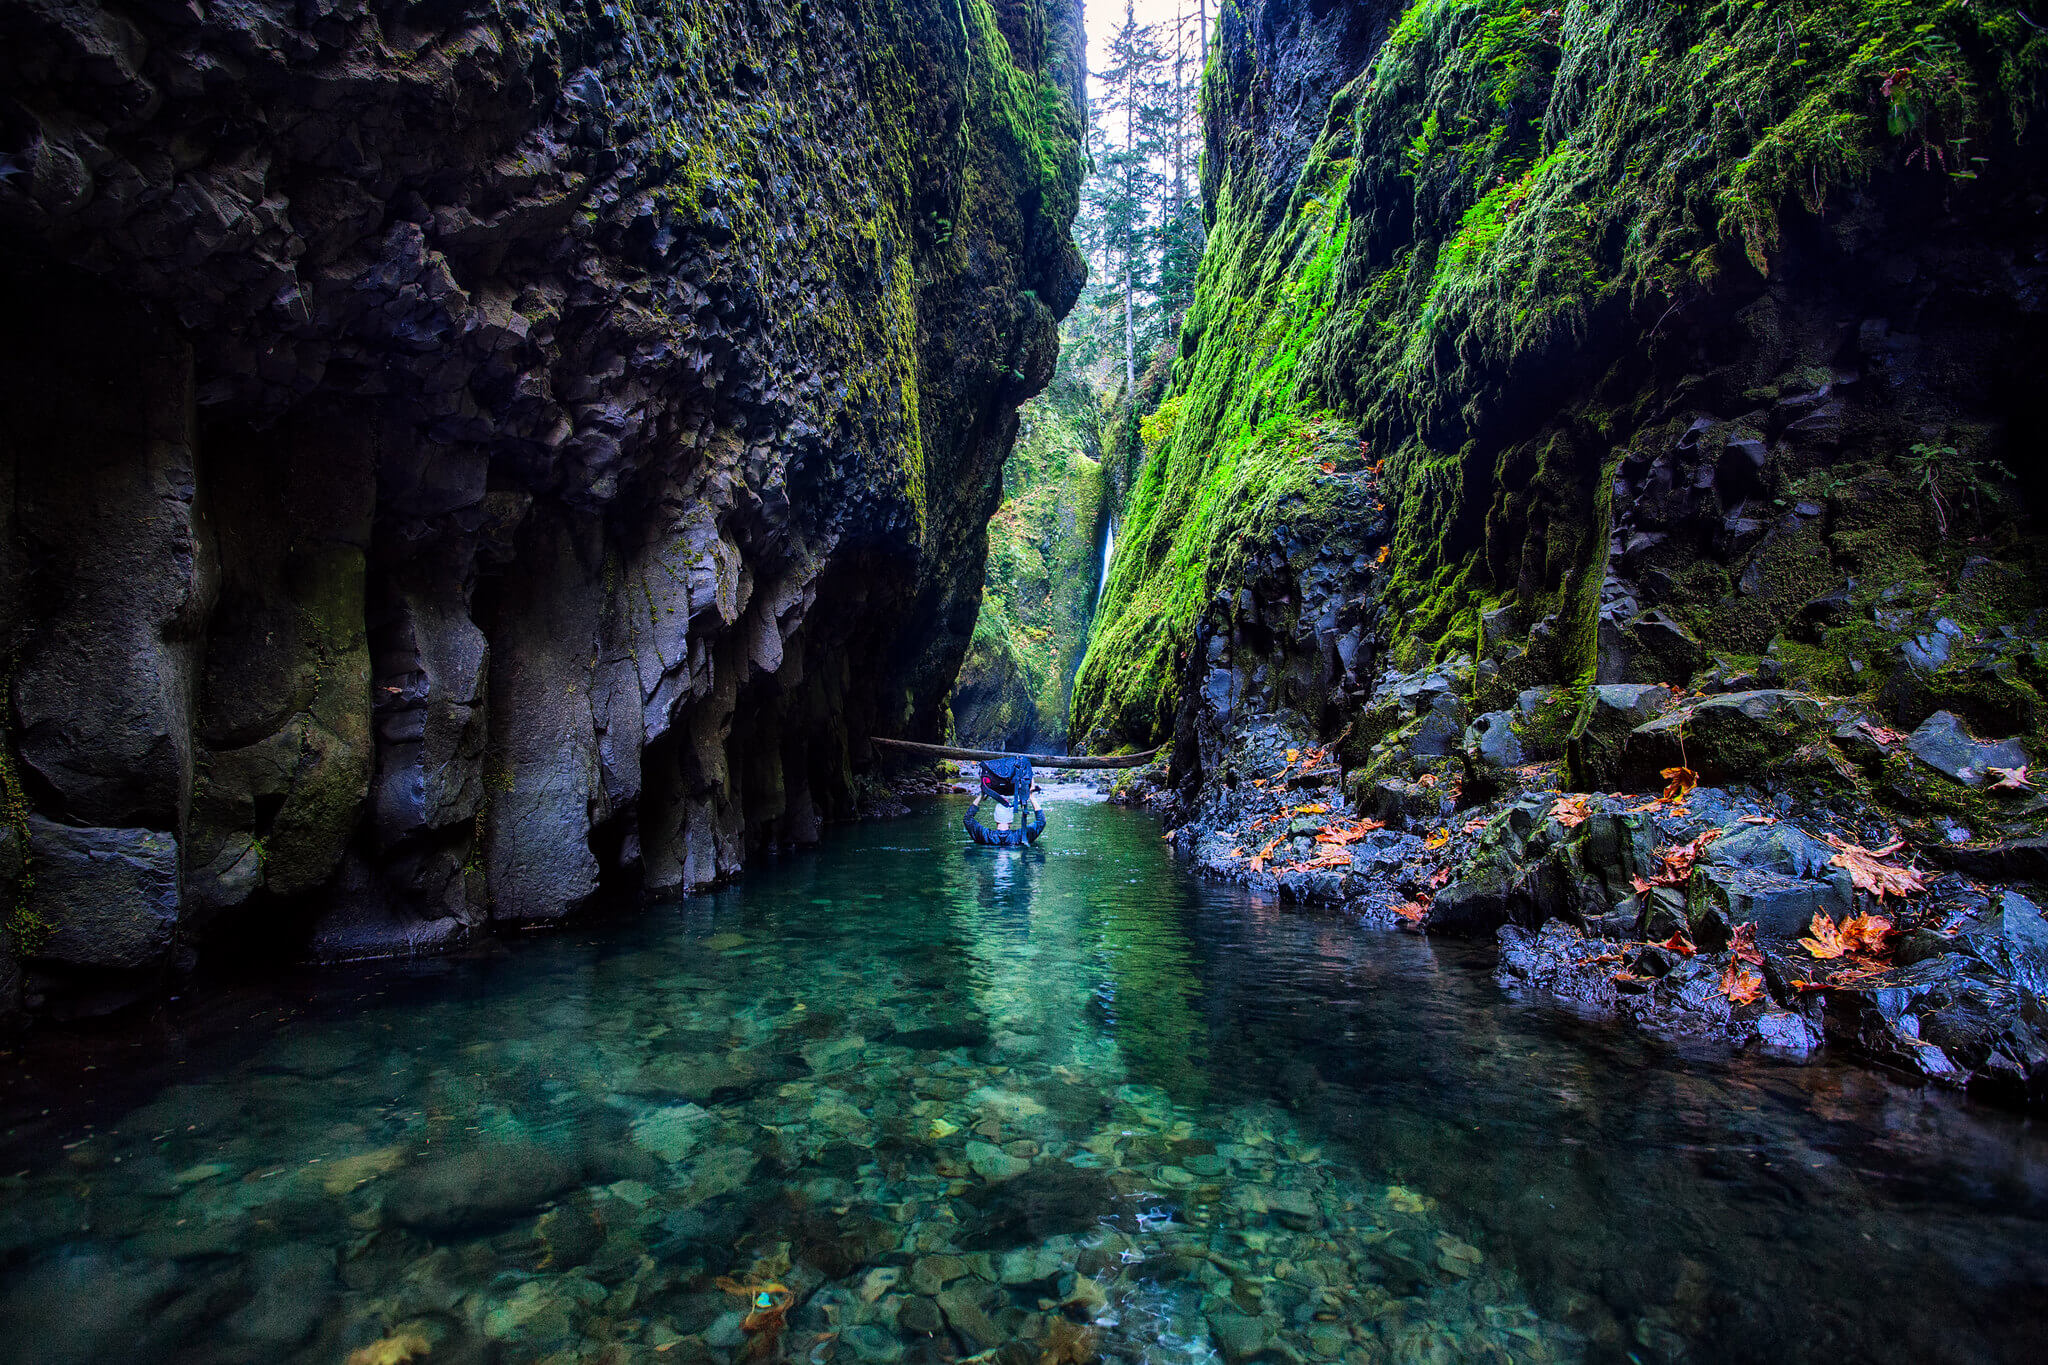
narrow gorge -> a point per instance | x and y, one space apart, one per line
1498 543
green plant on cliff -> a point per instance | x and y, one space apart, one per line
1509 189
1039 585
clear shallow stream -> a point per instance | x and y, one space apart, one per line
953 1098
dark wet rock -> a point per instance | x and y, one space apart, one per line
2021 860
109 896
1783 848
484 1185
2012 938
1241 1336
1788 1034
1609 715
293 1286
1493 738
1737 737
1954 1019
1557 960
1781 907
1945 745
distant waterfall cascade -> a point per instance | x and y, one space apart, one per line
1108 549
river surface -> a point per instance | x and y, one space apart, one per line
900 1099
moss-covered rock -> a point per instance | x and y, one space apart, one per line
1611 306
1046 547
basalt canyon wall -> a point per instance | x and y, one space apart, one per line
1594 343
465 460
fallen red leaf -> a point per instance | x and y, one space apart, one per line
1680 944
1571 811
2011 779
1440 876
1759 819
1412 911
1739 984
1880 733
1825 941
1679 781
1426 780
1868 870
1328 466
1866 933
1678 861
1742 942
1474 825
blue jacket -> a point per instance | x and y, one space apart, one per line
1011 838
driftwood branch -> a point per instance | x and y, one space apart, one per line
1036 760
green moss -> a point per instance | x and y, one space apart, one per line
1509 191
1039 584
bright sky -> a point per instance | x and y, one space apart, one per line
1103 16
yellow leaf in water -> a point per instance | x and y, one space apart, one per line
941 1129
398 1350
345 1173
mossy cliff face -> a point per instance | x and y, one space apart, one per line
1045 550
1595 343
464 460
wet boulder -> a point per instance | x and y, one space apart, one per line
1719 898
1557 960
109 896
1945 745
1730 738
1609 715
488 1184
1954 1019
1492 740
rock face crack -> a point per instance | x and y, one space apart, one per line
468 463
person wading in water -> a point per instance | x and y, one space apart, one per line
1007 782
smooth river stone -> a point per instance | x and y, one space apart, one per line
993 1164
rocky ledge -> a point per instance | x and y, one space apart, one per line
1789 910
468 461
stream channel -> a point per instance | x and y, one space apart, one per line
1039 1105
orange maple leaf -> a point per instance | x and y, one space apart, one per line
1826 940
1680 944
1571 811
1426 780
1678 861
1742 942
1317 809
1437 840
1866 933
1868 870
1739 984
1440 876
1678 781
1412 911
1328 466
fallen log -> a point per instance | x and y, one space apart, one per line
1036 760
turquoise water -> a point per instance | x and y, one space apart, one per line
935 1102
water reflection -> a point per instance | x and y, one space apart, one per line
1053 1103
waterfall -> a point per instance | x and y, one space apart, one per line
1108 549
